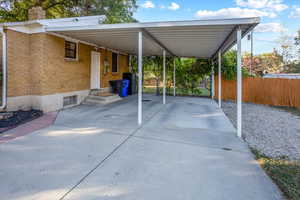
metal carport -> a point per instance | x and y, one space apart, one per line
198 38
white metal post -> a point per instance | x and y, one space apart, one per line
239 82
140 72
212 80
220 79
4 68
251 65
174 79
164 76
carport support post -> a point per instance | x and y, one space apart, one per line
212 80
239 82
174 78
164 76
140 72
220 79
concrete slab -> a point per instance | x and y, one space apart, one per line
119 116
45 164
99 152
146 169
196 121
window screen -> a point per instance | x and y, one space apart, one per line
114 62
70 50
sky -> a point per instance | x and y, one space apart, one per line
278 17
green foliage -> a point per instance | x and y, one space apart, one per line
229 65
229 70
116 11
190 72
293 68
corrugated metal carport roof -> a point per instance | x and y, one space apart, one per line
197 38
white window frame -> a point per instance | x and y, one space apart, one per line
77 50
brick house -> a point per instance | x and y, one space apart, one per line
44 70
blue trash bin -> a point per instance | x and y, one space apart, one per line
125 85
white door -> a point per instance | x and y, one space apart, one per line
95 70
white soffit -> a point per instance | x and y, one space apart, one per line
197 38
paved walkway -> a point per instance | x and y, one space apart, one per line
185 150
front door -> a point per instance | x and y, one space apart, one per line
95 70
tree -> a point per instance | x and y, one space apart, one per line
229 64
286 48
266 62
116 11
297 42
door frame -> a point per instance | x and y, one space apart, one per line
95 77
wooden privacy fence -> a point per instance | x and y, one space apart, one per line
269 91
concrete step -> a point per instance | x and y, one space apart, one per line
104 98
91 99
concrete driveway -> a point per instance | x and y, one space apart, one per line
186 150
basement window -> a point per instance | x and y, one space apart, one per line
114 66
71 50
70 100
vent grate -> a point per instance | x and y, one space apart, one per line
70 100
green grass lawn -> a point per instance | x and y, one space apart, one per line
179 91
285 173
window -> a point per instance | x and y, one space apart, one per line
70 50
70 100
114 65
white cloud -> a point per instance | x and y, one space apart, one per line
265 39
148 4
273 27
174 6
234 13
271 5
295 12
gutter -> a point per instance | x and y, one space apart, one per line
4 67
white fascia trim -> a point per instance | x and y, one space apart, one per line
54 21
210 22
100 19
38 26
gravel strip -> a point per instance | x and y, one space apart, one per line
273 131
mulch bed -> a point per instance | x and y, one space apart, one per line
11 120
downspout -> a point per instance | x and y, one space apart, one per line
4 69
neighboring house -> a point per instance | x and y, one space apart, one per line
282 75
48 71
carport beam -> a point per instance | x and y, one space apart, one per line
239 82
220 79
140 72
